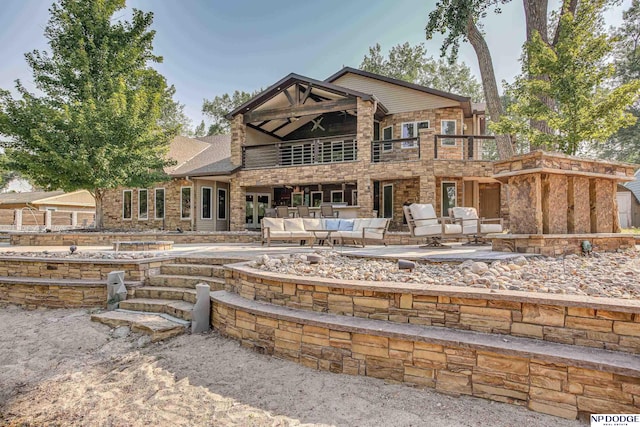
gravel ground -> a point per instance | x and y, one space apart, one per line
613 275
59 368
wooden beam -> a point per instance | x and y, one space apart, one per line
264 131
307 92
287 123
301 110
291 100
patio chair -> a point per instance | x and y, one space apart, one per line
326 211
282 211
304 212
423 222
473 227
270 213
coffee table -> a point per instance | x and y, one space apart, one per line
326 236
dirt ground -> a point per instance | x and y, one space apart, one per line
59 368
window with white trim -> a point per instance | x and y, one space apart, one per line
222 204
410 130
143 203
448 127
185 202
207 194
449 193
159 199
127 204
337 196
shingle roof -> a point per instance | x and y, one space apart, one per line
214 159
27 197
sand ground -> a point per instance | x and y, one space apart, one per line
59 368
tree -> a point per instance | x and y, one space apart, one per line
6 174
625 144
173 115
220 106
458 19
97 123
411 64
576 71
200 130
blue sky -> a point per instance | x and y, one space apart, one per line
211 46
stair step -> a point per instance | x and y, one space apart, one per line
165 292
181 281
203 270
209 260
158 326
176 308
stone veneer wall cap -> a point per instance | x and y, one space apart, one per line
543 153
503 175
609 304
43 281
583 357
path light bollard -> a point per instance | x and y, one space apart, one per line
116 290
201 309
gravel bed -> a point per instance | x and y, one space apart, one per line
612 275
85 255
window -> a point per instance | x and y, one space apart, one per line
127 201
448 197
222 204
337 196
185 202
387 133
207 193
297 198
448 128
354 197
410 130
387 201
143 203
316 198
159 203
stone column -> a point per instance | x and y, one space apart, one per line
17 219
365 196
427 141
578 209
237 206
428 189
601 194
364 131
47 219
554 205
238 139
525 204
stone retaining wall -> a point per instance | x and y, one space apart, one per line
554 385
34 295
557 245
87 269
107 239
612 324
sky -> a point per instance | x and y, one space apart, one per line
212 47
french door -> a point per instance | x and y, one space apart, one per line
256 206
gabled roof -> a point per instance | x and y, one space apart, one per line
289 80
27 197
215 159
75 198
403 83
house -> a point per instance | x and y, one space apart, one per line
628 197
358 140
48 209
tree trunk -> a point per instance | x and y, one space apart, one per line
494 106
535 12
98 194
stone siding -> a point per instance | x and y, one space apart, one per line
36 295
559 387
591 322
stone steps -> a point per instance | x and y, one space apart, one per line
166 292
184 281
202 270
176 308
158 326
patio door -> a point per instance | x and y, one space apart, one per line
255 207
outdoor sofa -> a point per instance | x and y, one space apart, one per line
473 227
358 230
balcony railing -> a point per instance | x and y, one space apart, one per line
465 147
395 150
301 152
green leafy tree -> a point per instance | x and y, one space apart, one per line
583 108
6 174
411 64
217 108
97 122
173 115
200 130
625 144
